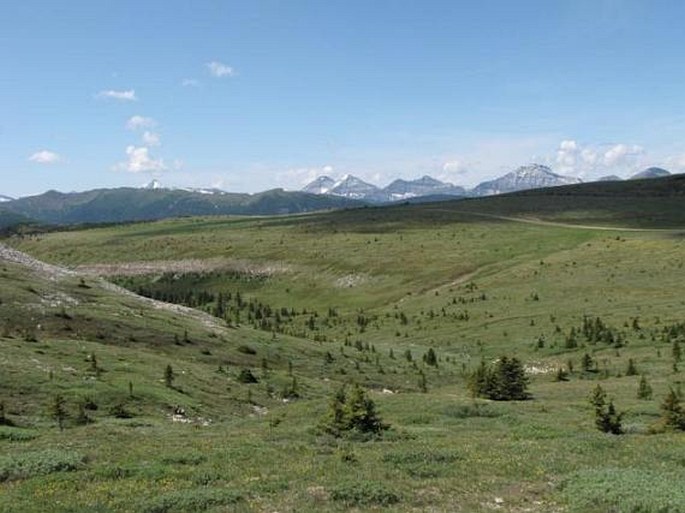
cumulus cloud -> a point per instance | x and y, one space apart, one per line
45 157
124 96
140 161
137 122
621 153
151 138
303 175
219 69
576 159
457 167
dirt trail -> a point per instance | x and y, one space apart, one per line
540 222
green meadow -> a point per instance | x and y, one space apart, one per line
261 320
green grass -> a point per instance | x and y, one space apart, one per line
423 277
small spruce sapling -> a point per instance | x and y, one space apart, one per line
644 389
169 376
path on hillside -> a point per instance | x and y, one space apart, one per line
540 222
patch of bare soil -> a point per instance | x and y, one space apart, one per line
181 266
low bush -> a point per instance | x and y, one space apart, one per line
40 463
364 494
196 499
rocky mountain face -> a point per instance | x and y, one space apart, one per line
533 176
424 186
355 188
322 185
650 172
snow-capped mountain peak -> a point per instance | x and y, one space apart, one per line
532 176
153 184
320 185
4 198
350 186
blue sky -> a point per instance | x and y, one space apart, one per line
253 95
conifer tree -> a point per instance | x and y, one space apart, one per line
430 358
607 419
58 411
644 390
169 376
505 381
631 370
352 411
672 414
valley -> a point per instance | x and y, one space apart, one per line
404 300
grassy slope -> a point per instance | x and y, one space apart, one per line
518 283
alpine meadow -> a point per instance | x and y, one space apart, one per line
330 256
432 357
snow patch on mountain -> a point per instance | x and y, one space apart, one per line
532 176
322 185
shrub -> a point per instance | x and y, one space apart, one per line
422 464
245 349
247 377
465 411
39 463
16 434
119 411
364 494
197 499
193 458
624 490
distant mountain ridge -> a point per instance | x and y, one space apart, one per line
155 201
651 172
4 198
140 204
532 176
350 186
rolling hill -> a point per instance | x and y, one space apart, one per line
309 303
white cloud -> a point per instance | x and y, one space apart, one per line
218 69
456 167
151 138
621 153
125 96
303 175
45 157
575 159
675 163
137 122
139 161
190 82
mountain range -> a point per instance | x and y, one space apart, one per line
142 204
532 176
154 201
